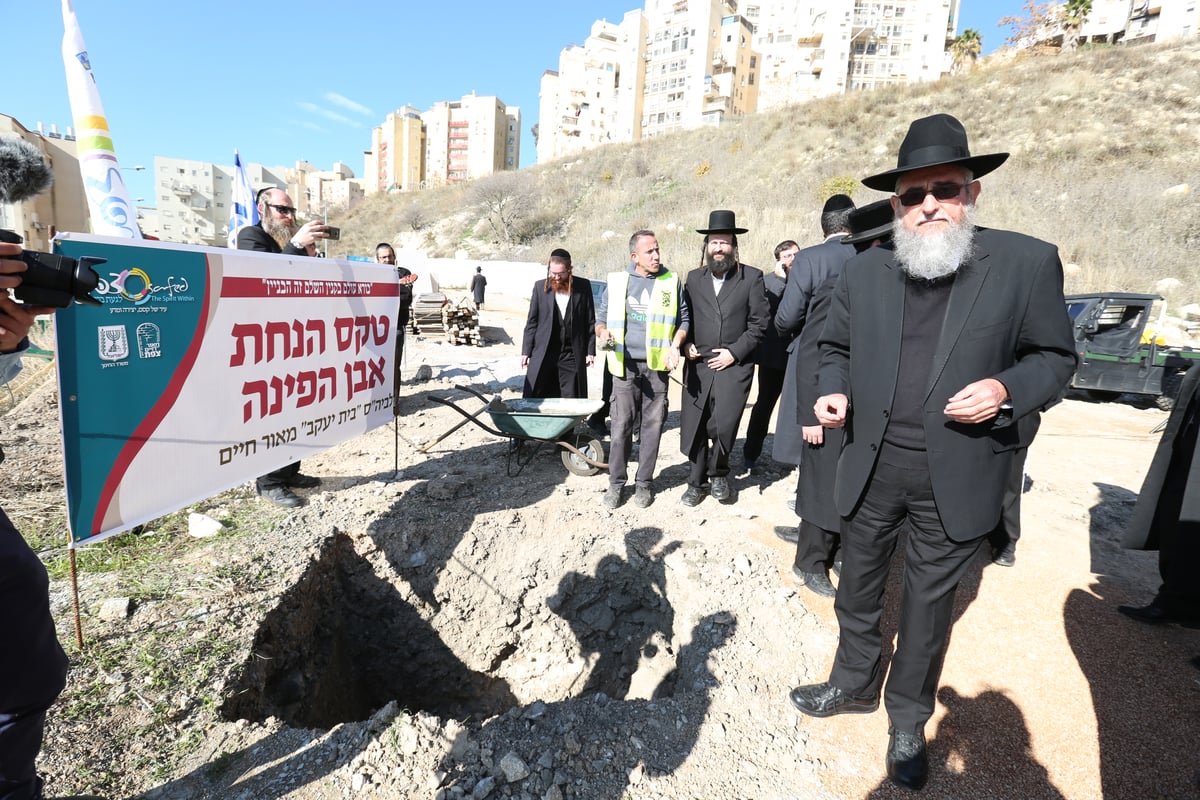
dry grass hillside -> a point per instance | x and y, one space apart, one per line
1098 141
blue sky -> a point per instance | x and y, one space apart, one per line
299 80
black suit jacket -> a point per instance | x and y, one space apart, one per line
253 237
1006 319
580 320
735 319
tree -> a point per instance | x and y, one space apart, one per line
1074 14
1033 27
965 50
505 199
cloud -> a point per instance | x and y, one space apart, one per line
310 125
313 108
345 102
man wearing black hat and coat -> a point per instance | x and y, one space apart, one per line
941 343
729 309
560 332
811 267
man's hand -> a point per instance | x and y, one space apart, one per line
525 361
673 357
691 352
831 410
11 266
977 402
721 359
813 434
310 233
590 360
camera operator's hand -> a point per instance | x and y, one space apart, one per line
11 266
310 233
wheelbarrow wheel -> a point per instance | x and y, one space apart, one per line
590 447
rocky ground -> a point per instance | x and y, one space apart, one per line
447 631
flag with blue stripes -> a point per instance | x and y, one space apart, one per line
245 212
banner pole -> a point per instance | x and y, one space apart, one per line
75 597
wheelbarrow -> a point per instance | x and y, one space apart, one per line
528 424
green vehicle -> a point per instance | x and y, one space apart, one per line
1117 355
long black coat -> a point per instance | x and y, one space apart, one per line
580 321
811 268
1145 527
253 237
818 467
736 319
1006 319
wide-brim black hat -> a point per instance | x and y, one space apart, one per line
935 141
870 222
722 221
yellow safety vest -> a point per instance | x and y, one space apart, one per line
660 320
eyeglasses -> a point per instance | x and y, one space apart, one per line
940 191
566 273
284 210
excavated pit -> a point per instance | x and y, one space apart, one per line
342 643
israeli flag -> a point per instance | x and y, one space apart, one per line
245 212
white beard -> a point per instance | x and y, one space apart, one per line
935 255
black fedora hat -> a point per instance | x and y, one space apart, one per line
870 222
934 141
721 221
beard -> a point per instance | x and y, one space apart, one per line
718 268
932 256
279 230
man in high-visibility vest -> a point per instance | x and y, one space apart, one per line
642 323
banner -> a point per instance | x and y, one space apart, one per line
245 210
111 212
205 368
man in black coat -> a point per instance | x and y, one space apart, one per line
278 232
1167 515
811 268
560 332
818 537
941 341
771 358
730 313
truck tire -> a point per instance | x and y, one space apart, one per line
1170 390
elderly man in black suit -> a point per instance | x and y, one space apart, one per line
278 232
560 332
942 342
730 313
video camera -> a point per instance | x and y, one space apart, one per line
54 280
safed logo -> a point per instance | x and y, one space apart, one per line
114 342
140 276
149 340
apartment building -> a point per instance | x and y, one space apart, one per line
317 192
595 95
708 60
62 207
470 138
396 160
1141 21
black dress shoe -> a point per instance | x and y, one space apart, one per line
720 490
907 759
281 496
817 582
826 700
692 496
789 533
1157 614
299 481
1004 556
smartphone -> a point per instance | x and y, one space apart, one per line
332 232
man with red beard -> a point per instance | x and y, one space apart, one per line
930 354
278 232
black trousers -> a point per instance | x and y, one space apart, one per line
816 547
278 477
709 459
898 493
1008 529
770 384
33 667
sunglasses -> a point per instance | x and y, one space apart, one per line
284 210
940 191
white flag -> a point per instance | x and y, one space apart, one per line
245 211
112 213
